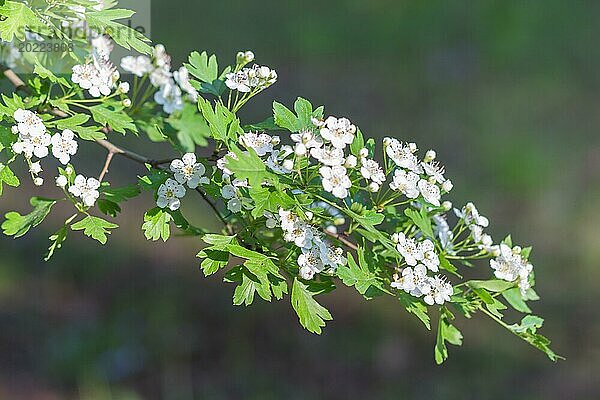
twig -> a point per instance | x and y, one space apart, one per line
342 238
109 158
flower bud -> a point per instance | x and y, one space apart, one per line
387 141
430 156
35 168
309 215
373 187
249 56
123 87
447 205
288 164
38 181
363 152
395 238
15 129
126 103
61 181
351 162
69 170
339 221
300 149
413 147
307 273
447 185
275 140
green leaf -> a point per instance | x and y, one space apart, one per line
45 73
119 195
16 16
312 315
446 333
527 330
191 128
494 285
248 166
357 144
108 207
356 274
218 240
421 219
284 117
266 125
112 114
95 228
123 35
8 177
57 240
156 224
415 307
222 122
18 225
203 67
515 299
446 265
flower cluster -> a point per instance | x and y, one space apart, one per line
510 265
171 85
186 171
413 177
476 223
84 188
254 79
434 290
317 254
34 140
98 77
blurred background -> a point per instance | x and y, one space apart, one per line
505 91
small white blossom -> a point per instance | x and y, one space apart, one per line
86 190
161 58
431 193
38 181
64 146
335 181
331 256
408 248
123 87
406 183
329 156
182 77
510 266
169 194
440 291
102 46
311 259
61 181
188 171
96 78
305 140
162 76
351 162
430 258
402 155
371 170
430 155
435 170
139 66
28 124
274 162
340 132
261 143
301 234
35 168
169 96
471 215
238 81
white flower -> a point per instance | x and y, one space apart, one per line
123 87
430 259
234 205
443 232
435 170
510 266
301 234
402 155
64 146
311 259
408 248
35 168
169 194
238 81
306 273
406 183
261 143
169 96
431 193
85 189
447 186
38 181
188 171
340 132
161 58
471 215
328 156
102 46
139 66
288 219
33 145
335 181
228 192
96 78
274 162
305 140
331 256
260 77
61 181
371 170
440 291
28 124
182 77
406 282
351 162
414 281
161 76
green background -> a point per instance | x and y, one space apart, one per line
505 91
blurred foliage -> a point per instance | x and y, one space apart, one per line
506 91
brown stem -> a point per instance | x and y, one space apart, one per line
342 238
109 158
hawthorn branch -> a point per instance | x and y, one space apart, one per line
343 239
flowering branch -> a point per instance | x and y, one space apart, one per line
291 199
